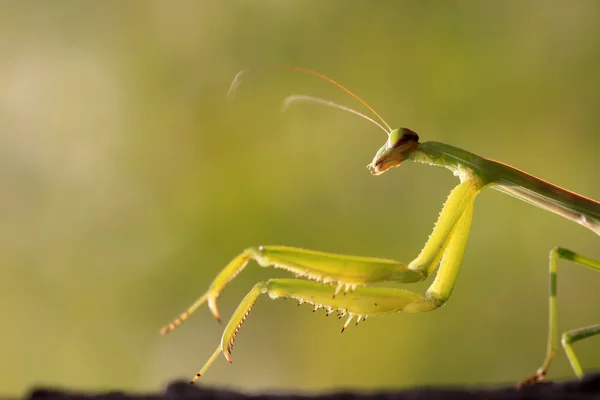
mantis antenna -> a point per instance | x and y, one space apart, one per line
239 77
295 98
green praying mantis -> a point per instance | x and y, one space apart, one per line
340 283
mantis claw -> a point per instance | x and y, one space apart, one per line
227 354
537 378
212 306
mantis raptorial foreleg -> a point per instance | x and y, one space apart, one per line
344 271
359 303
571 336
445 247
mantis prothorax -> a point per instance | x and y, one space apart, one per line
329 274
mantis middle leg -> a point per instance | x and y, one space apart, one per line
569 337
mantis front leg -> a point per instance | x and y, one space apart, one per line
359 304
445 247
326 268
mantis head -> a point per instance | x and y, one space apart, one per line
401 142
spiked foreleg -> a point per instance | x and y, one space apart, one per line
344 271
459 200
443 284
341 270
445 247
360 303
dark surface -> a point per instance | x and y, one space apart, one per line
588 388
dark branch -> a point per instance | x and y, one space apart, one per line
588 388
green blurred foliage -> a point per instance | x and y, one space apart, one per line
127 181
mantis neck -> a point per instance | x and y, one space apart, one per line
512 181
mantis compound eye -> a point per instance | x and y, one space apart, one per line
401 136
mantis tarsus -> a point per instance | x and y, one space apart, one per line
327 274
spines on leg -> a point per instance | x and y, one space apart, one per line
350 316
443 284
359 303
460 198
330 268
239 317
233 327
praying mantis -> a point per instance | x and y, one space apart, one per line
340 283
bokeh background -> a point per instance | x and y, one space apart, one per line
127 181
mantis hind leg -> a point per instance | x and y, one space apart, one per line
568 337
575 335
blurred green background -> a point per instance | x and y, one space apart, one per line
127 182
